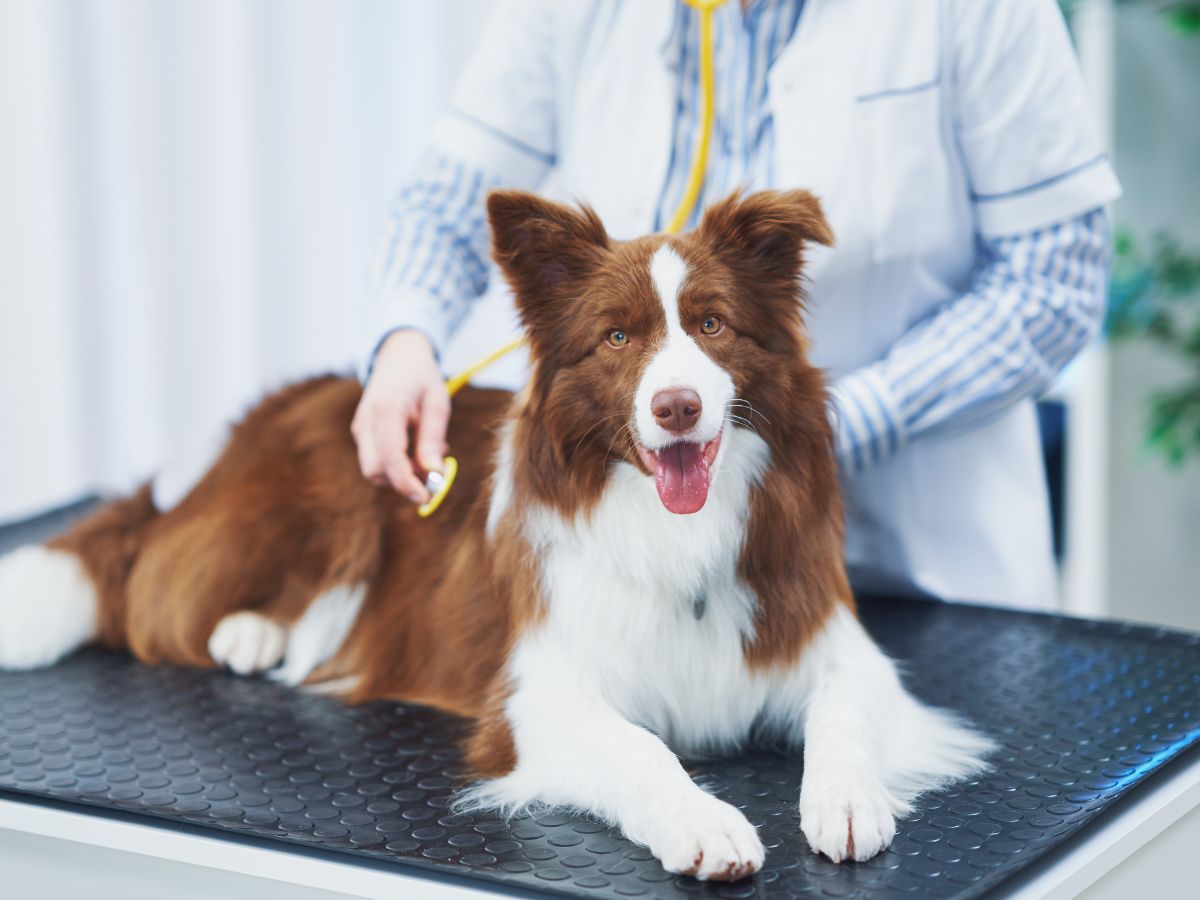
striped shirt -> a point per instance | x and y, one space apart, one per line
1033 302
742 149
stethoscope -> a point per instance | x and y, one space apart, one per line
439 483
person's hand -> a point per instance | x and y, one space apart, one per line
405 390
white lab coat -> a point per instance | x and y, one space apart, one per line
919 124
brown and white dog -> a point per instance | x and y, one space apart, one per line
644 551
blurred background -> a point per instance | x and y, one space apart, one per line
191 191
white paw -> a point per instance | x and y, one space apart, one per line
247 642
47 607
316 636
708 839
845 818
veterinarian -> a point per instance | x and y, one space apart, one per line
950 143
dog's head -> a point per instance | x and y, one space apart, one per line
649 350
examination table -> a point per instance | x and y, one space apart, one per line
1097 724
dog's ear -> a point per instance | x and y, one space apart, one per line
767 230
543 248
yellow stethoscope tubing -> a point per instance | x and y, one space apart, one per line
440 486
695 180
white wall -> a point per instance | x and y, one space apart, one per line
1153 563
189 195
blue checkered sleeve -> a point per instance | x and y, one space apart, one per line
1034 302
432 261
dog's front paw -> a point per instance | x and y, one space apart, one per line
247 642
708 839
846 819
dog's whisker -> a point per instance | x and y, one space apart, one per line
755 412
742 420
595 425
623 428
742 402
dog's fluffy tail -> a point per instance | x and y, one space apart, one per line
71 591
932 750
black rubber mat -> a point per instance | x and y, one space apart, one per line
1083 711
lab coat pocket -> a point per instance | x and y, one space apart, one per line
906 167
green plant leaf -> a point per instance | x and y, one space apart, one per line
1185 19
1154 295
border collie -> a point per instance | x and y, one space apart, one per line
642 556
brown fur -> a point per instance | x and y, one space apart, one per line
793 549
285 514
107 542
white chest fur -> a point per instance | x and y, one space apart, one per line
624 587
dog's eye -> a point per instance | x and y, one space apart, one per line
617 338
711 325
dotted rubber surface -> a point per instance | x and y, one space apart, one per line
1083 712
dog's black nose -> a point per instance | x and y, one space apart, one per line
677 409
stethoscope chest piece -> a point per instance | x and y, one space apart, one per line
438 484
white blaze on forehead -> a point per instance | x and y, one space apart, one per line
678 363
668 272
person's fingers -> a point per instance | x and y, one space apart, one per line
404 391
431 433
369 462
393 430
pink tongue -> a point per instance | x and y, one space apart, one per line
682 478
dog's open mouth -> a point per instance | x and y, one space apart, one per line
682 473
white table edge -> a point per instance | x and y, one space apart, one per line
1154 807
253 859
